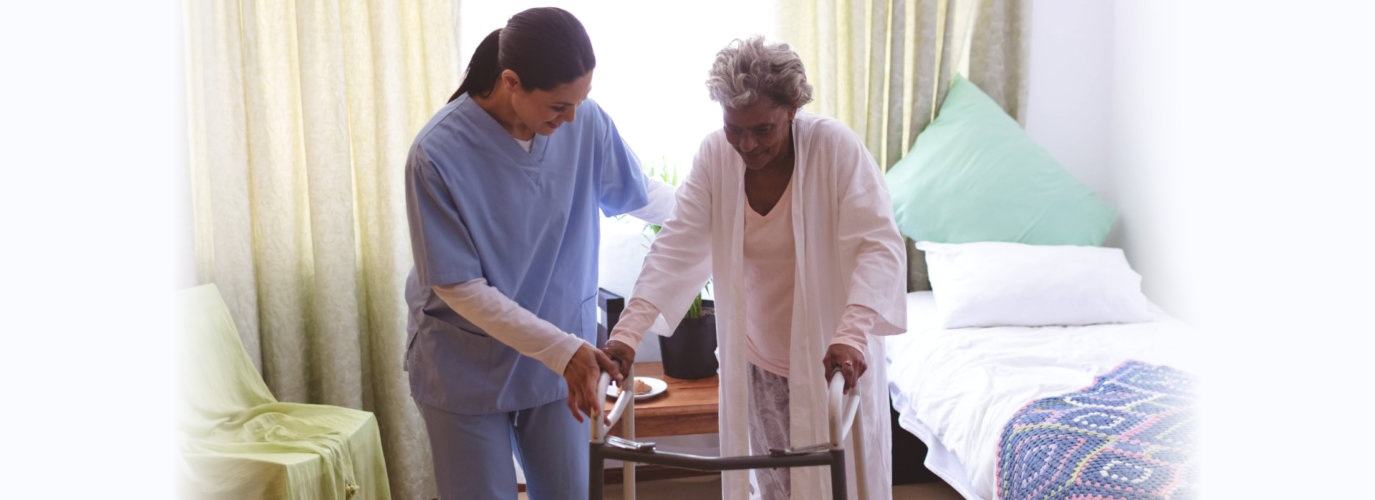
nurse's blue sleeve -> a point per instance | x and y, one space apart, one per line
440 242
621 182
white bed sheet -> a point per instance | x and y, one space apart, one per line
956 389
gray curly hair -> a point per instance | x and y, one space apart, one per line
747 69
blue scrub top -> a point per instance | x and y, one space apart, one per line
480 206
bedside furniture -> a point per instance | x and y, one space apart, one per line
687 407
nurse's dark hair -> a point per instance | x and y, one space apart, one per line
545 46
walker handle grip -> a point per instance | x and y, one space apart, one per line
843 408
600 427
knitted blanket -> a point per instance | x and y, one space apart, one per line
1128 436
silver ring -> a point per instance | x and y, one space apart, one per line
848 363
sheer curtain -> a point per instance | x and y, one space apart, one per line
300 115
883 66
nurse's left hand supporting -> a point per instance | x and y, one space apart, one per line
581 374
847 360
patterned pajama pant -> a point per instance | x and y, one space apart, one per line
769 428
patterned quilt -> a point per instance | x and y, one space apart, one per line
1128 436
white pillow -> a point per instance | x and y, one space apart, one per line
1014 284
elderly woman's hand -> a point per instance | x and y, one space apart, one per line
848 360
621 353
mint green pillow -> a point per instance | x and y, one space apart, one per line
974 175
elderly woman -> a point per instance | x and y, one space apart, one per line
790 214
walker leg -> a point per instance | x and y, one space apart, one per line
838 475
596 471
628 431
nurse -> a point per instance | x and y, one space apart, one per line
503 186
789 215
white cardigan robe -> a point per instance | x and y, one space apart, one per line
849 251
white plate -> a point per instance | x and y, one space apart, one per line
656 387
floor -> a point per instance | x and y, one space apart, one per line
710 487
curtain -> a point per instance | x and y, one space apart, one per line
300 116
882 66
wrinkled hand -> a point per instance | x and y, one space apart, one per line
621 353
586 365
848 360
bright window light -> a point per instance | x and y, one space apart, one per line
652 62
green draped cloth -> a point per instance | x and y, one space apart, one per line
239 442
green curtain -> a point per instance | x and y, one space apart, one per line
883 66
299 117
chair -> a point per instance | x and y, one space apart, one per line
238 441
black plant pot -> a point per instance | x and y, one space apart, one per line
691 352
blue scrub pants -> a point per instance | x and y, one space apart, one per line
472 453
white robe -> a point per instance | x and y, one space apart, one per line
849 251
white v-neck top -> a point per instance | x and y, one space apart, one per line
770 259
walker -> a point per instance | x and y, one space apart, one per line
841 416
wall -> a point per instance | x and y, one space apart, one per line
1236 157
1073 95
1069 85
91 131
1231 138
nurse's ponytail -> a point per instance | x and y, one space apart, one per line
545 46
483 68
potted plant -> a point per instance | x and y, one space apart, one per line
690 353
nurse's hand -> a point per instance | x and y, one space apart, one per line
621 353
586 365
845 359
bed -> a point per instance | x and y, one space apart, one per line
957 389
1034 361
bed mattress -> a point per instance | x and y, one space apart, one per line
956 389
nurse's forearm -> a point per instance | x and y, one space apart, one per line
509 323
635 320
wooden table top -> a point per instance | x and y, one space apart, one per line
686 407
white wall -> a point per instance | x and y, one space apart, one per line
1073 95
1182 117
91 133
1069 87
1234 149
1235 144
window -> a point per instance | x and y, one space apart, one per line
652 62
